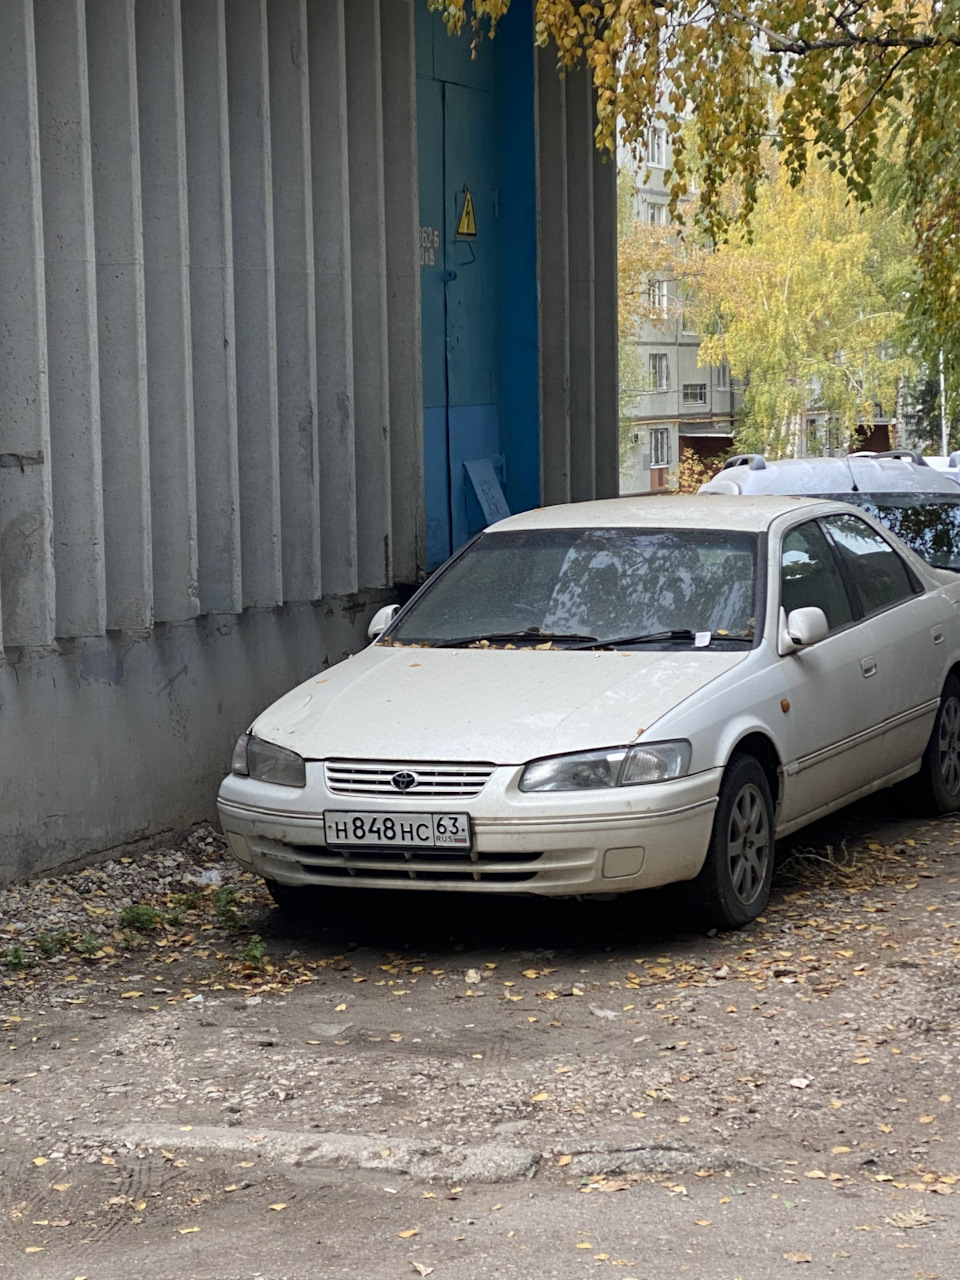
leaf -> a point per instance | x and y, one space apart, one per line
471 977
798 1257
39 1160
798 1082
420 1269
131 995
815 1173
562 1161
540 1097
411 1231
862 1062
185 1231
62 1186
34 1248
927 1119
702 1222
281 1204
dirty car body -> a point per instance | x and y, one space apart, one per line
610 696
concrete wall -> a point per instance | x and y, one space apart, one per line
210 394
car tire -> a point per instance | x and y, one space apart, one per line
937 786
733 886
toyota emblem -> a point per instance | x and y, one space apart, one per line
404 780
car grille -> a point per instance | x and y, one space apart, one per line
375 778
398 864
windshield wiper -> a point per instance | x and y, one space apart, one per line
526 637
682 633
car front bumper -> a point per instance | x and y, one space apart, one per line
554 843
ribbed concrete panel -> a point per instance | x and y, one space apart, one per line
255 306
26 503
334 307
605 379
212 305
552 186
581 150
169 360
369 293
73 377
295 302
121 329
401 196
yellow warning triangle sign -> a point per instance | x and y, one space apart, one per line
467 222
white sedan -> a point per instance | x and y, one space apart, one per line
610 696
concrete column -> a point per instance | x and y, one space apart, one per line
554 263
402 200
580 153
255 304
334 315
74 387
121 329
295 301
369 270
27 601
212 305
606 333
166 256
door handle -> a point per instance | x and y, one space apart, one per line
937 633
868 666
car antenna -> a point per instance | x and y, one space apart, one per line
854 487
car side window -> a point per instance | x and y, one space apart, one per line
809 575
878 574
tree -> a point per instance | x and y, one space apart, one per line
808 310
853 76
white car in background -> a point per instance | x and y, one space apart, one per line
914 498
610 696
948 466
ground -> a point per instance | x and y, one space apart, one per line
191 1089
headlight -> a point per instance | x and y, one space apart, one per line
265 762
615 767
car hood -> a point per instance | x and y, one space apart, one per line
495 705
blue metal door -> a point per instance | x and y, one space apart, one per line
478 281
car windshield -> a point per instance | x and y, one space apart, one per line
584 588
929 523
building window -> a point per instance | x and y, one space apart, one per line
656 213
723 375
659 372
657 294
659 447
655 147
694 393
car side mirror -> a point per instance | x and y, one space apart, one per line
802 628
381 620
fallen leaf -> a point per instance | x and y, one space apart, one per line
564 1160
471 977
861 1062
339 1008
798 1257
815 1173
799 1082
61 1186
278 1206
34 1248
39 1160
702 1222
411 1231
420 1269
923 1120
540 1097
185 1231
839 1151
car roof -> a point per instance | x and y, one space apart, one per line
668 511
853 473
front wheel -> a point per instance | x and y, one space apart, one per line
938 782
733 886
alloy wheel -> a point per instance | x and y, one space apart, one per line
949 746
748 841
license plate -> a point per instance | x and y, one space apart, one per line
403 830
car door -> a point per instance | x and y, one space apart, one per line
910 627
832 723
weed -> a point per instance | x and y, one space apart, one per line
254 952
140 917
224 904
51 944
17 958
90 943
188 901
